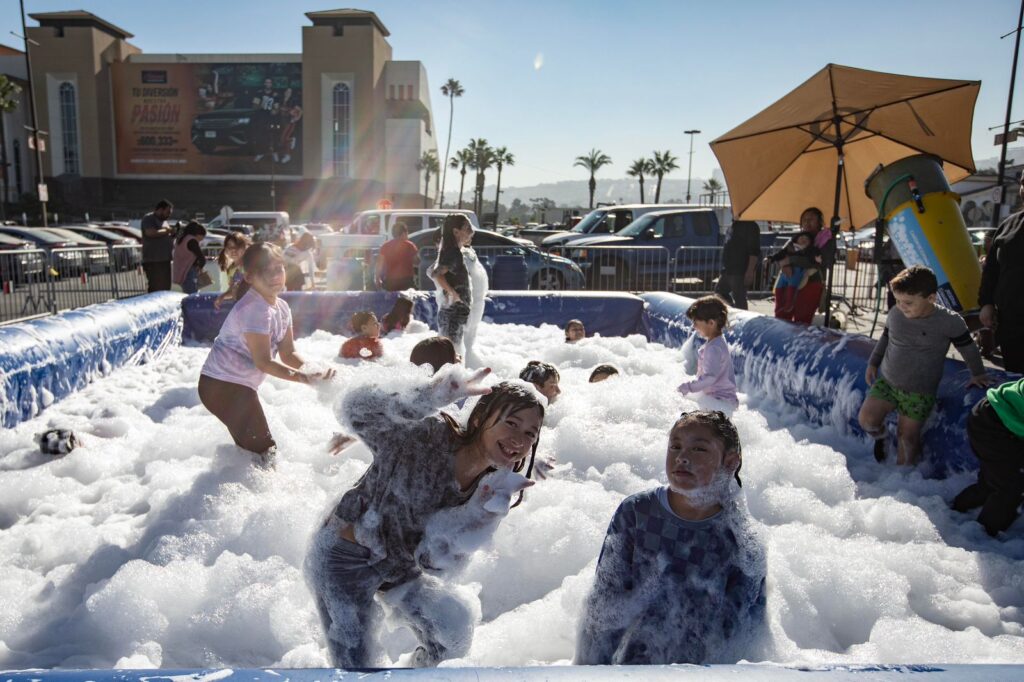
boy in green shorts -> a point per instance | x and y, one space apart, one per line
906 366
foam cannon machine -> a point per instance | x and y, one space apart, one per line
925 225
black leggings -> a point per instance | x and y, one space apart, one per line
239 409
1000 456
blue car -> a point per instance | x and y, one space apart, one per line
657 251
545 271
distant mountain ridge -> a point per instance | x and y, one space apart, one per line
575 193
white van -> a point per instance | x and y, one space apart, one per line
370 229
260 221
381 222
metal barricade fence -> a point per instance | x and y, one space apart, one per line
24 279
486 254
854 284
82 277
127 276
40 282
623 268
695 269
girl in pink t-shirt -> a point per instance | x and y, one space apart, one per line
258 327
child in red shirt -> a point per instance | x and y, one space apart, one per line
366 344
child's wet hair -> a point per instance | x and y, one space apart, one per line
538 373
437 351
603 370
708 308
358 320
504 399
916 280
721 426
452 222
400 314
571 323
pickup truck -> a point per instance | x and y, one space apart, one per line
657 251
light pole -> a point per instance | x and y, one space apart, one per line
40 186
689 172
997 214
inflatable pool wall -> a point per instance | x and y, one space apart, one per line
818 372
52 357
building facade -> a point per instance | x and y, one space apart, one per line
323 133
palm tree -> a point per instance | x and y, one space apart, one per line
713 187
451 90
638 169
502 158
483 158
8 102
461 161
429 165
593 162
664 163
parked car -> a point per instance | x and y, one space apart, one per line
123 230
643 268
62 260
127 255
545 271
604 220
317 229
232 129
97 258
20 260
538 233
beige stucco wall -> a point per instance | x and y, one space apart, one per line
86 54
358 55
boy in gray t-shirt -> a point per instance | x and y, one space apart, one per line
906 366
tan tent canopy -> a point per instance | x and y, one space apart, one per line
785 158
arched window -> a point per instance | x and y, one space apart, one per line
342 113
16 153
69 127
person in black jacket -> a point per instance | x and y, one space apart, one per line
740 254
1002 281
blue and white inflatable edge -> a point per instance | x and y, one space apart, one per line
50 358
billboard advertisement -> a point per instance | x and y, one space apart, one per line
208 118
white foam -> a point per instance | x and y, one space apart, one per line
157 544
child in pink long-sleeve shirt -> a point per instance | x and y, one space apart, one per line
714 365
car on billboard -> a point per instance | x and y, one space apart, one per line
231 129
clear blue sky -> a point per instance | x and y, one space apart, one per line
624 77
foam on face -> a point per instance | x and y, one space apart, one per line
157 543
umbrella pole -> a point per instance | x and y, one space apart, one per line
835 228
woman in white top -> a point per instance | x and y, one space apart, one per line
258 327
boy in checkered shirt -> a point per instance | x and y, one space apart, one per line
681 576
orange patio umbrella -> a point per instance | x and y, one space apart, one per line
819 143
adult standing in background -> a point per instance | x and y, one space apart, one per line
740 255
157 247
1002 284
396 264
809 297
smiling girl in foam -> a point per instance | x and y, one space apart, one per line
424 462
